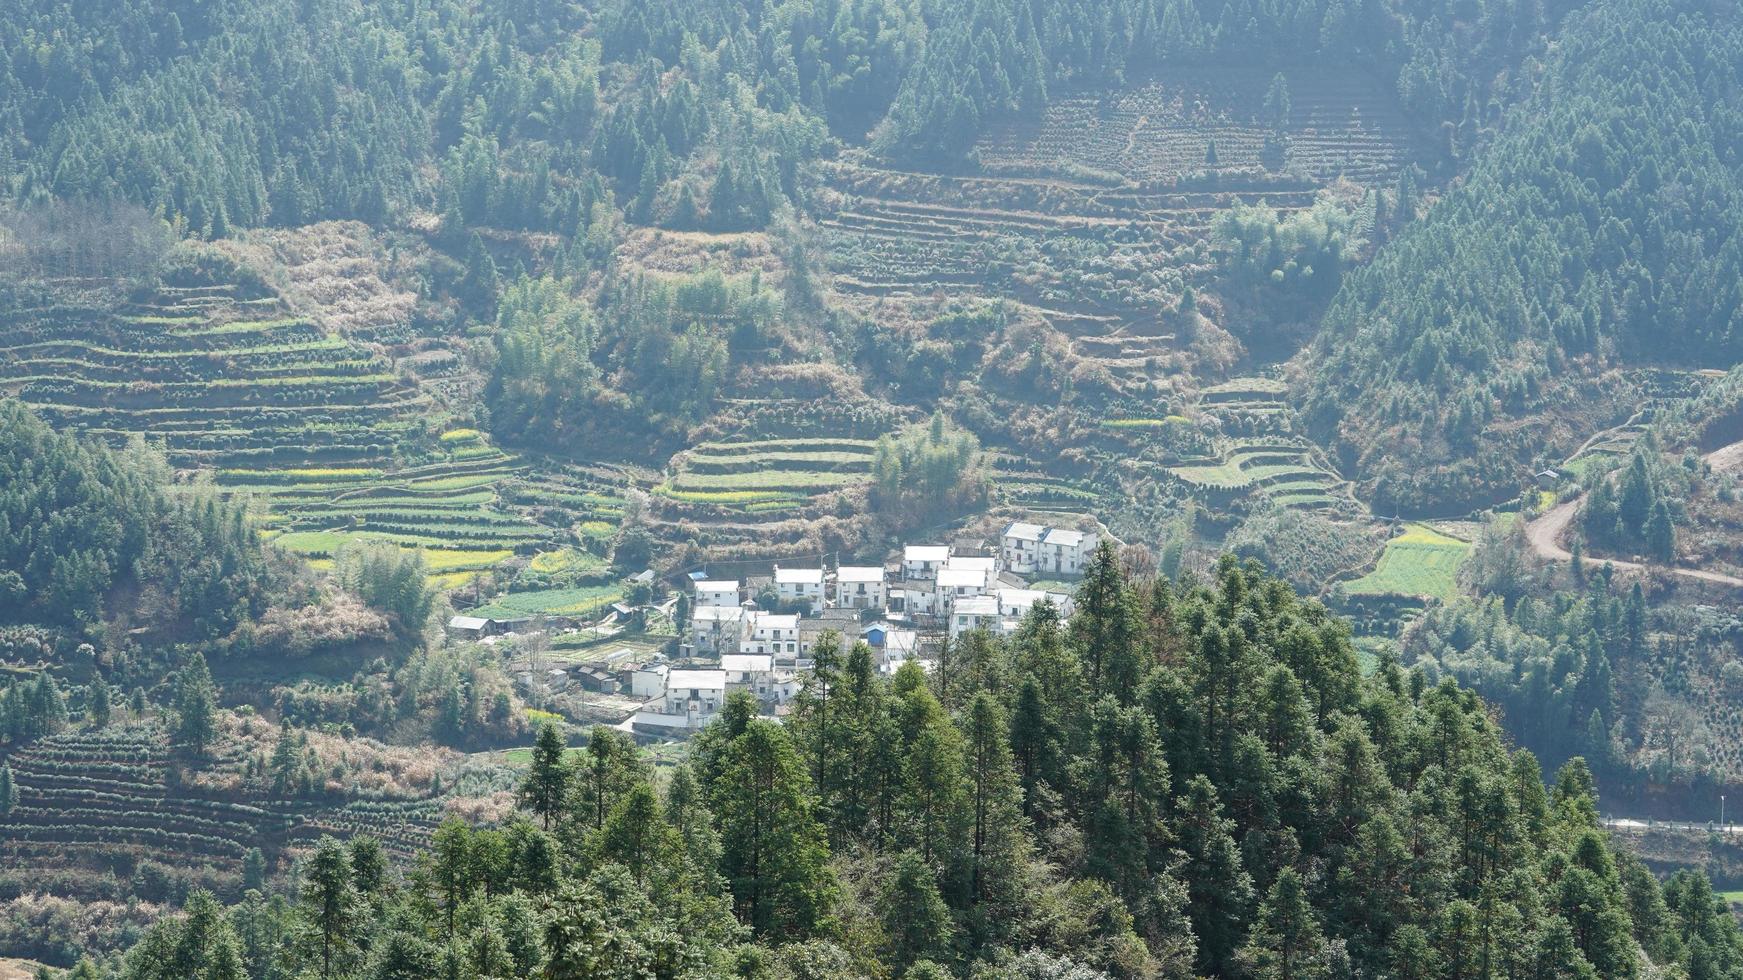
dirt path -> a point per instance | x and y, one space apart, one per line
1545 532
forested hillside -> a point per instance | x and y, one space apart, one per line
1187 781
1601 229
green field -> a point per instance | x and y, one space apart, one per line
1421 561
580 601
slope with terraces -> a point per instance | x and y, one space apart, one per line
332 437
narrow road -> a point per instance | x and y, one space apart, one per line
1545 532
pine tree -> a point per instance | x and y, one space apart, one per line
774 853
545 789
8 791
287 759
330 906
1220 890
98 708
1286 942
196 706
914 915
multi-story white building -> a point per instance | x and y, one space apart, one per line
954 584
692 699
717 629
1065 552
922 561
773 634
972 613
986 565
711 592
800 587
1020 547
860 587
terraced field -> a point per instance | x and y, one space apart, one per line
94 798
1289 473
331 437
1340 123
1419 562
1096 215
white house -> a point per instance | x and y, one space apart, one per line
711 592
954 584
1065 552
692 699
1016 603
1020 546
986 566
757 674
648 681
772 634
922 561
972 613
860 587
800 586
717 629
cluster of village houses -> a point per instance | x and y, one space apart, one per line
903 611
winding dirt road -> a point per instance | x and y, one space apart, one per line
1545 532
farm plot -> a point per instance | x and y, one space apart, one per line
1420 562
1340 123
1286 472
315 427
741 474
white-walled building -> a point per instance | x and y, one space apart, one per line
1015 603
648 681
954 584
986 566
1065 552
717 630
922 561
1020 546
972 613
692 699
717 592
800 586
773 634
860 587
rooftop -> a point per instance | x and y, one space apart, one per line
1063 537
926 552
1024 532
980 605
799 576
775 621
702 680
972 562
748 663
860 573
960 577
717 585
468 623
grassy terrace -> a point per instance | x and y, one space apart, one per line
312 425
1286 473
764 473
1419 562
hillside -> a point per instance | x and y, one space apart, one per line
1599 231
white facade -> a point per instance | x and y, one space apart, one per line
1015 603
986 567
1065 552
800 586
692 699
773 635
860 587
922 561
648 681
758 674
1020 547
717 593
717 629
972 613
954 584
